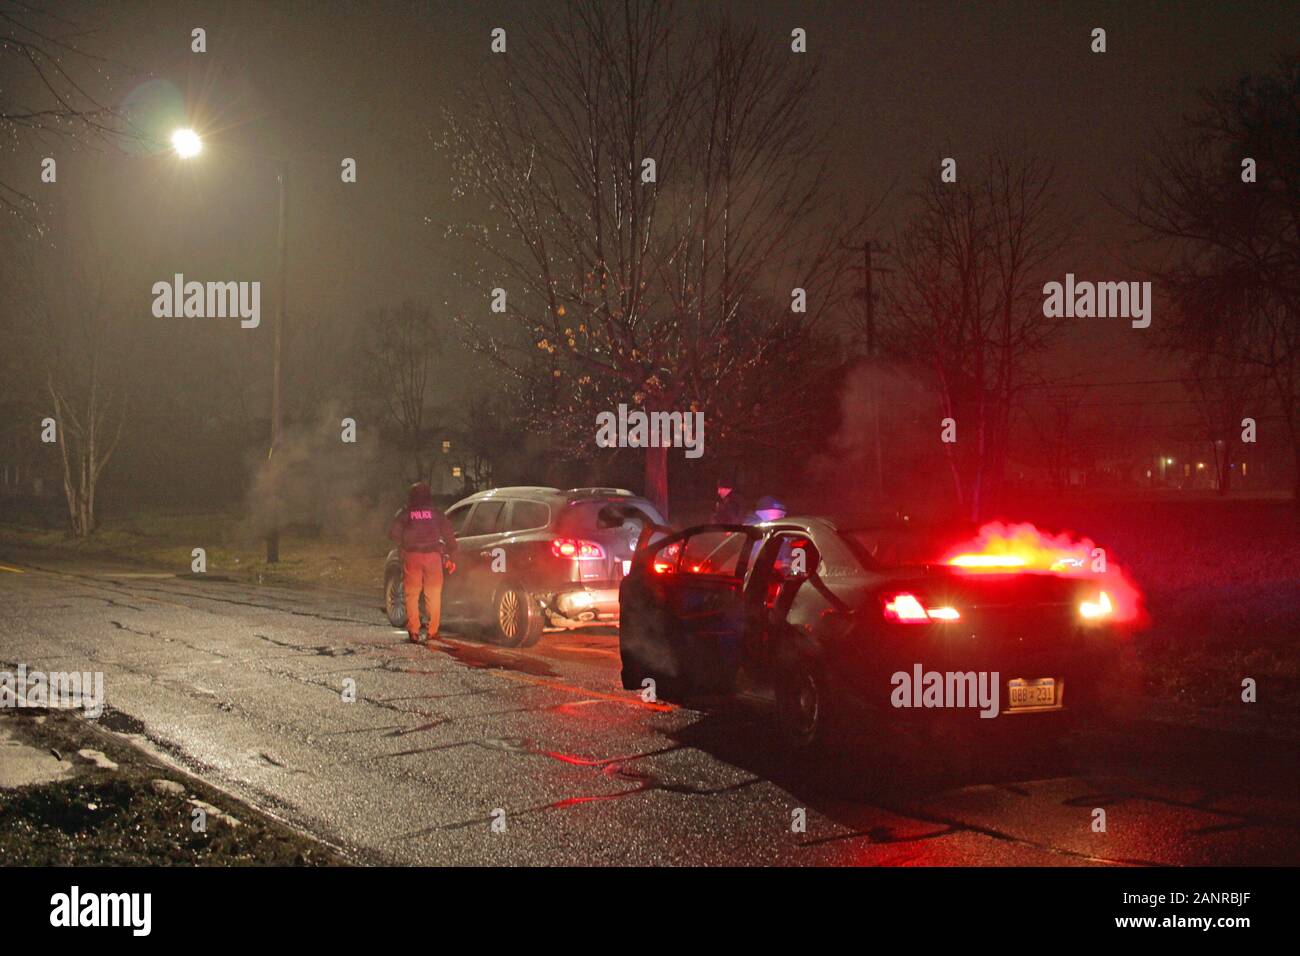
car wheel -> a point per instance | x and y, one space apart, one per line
516 618
803 706
395 600
632 672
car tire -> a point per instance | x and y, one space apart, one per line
804 707
395 600
516 619
632 672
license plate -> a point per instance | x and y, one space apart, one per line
627 568
1033 694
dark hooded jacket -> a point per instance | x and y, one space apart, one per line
421 526
729 510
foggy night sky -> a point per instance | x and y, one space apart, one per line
908 84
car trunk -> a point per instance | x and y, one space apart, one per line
585 520
1028 620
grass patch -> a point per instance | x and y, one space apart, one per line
165 539
123 817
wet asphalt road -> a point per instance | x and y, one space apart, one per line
245 686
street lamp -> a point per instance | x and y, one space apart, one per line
187 144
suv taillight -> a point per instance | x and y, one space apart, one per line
907 608
576 550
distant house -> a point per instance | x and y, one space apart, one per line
447 475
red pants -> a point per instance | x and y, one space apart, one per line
422 572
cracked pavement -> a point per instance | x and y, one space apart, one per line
244 686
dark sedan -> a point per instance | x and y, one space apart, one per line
846 628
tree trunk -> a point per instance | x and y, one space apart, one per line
1223 465
656 478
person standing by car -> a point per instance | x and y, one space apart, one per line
427 541
768 508
728 509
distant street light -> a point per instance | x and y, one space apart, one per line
186 142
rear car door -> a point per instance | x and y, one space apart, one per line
682 605
786 563
484 530
452 590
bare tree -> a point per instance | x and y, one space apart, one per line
45 96
84 379
1219 202
967 300
1223 392
87 442
399 349
654 199
1055 418
485 434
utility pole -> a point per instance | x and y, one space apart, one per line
277 402
868 296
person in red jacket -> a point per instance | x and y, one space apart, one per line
427 542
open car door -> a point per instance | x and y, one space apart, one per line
682 609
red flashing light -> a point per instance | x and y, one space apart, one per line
984 562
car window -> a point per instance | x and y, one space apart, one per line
527 515
713 552
457 517
901 547
588 517
486 518
795 555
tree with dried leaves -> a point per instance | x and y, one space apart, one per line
650 194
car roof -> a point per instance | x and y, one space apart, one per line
807 523
545 493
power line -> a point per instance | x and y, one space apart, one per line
1061 383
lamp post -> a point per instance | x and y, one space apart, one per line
188 144
277 338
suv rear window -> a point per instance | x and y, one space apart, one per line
486 518
584 517
527 515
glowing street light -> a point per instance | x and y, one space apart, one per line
186 142
187 145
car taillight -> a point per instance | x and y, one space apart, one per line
576 550
907 608
1094 610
